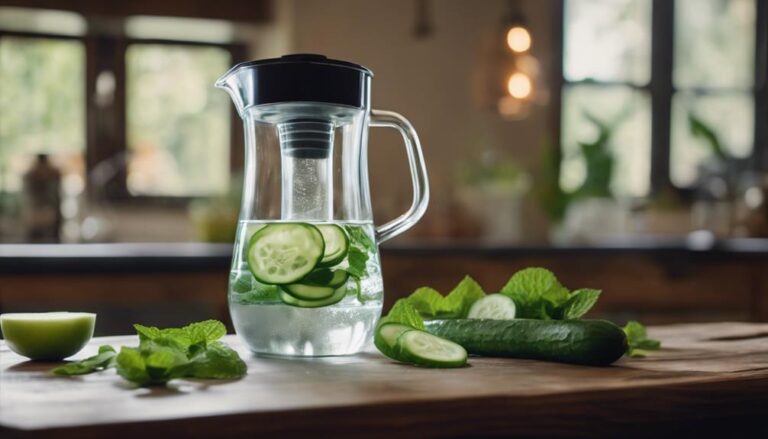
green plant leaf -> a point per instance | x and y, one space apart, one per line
219 361
131 366
701 130
579 303
537 293
357 260
638 343
461 298
101 361
427 301
403 312
358 237
206 331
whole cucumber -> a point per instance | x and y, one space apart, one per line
589 342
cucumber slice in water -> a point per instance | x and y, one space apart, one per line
336 244
284 253
336 297
424 349
493 307
324 277
386 338
308 292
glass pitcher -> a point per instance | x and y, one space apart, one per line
306 278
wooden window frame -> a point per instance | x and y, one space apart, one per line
105 129
661 89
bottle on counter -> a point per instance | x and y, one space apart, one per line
41 201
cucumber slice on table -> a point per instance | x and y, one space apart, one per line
336 244
424 349
284 253
386 338
493 307
290 299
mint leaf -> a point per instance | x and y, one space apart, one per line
101 361
131 366
147 332
404 313
357 260
241 284
358 237
457 303
579 302
536 292
638 342
218 362
247 290
205 332
166 354
427 301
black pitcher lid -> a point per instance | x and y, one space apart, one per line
302 78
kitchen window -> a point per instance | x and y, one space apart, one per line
126 117
656 78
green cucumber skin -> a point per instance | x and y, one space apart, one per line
587 342
382 344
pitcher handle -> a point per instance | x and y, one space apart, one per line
390 119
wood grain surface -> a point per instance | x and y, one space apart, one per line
710 379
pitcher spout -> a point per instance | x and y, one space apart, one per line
234 82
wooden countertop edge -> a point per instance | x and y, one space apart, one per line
708 406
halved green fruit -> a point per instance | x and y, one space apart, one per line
47 336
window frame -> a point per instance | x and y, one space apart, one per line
661 90
105 130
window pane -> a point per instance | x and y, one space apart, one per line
178 124
608 40
729 116
714 43
626 112
42 105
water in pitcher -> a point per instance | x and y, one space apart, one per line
274 320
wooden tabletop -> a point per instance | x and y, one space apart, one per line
711 379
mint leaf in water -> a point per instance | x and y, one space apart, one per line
579 302
638 342
359 238
246 289
101 361
357 260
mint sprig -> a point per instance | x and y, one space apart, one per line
103 360
193 351
637 340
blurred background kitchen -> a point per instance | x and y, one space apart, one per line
621 143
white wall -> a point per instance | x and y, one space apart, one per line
429 81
